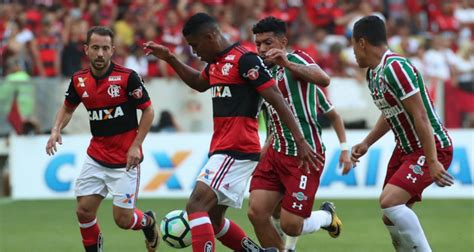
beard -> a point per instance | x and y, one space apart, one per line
99 65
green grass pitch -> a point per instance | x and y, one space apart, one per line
50 225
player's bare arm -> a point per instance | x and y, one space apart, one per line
380 129
63 117
338 125
414 106
189 75
134 154
307 156
310 73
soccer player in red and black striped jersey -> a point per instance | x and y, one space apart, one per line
237 79
111 94
423 149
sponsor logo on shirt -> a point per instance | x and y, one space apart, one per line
137 93
252 73
220 92
105 114
230 57
81 82
300 196
115 78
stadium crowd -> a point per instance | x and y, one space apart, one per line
44 38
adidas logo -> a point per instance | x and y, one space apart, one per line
226 186
85 95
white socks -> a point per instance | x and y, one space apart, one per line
290 242
409 228
318 219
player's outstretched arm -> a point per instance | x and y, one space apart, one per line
307 156
338 125
414 106
189 75
311 73
63 117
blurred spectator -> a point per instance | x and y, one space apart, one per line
432 33
137 61
439 63
72 56
401 42
225 19
21 43
49 48
166 123
17 82
124 29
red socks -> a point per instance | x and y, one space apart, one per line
138 221
231 235
202 232
90 232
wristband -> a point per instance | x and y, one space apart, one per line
344 146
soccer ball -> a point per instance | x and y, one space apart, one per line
175 229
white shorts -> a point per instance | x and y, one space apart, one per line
228 178
97 179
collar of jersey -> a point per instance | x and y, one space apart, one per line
382 61
225 51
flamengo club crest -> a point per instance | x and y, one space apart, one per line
114 91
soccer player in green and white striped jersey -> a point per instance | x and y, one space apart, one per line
423 149
279 176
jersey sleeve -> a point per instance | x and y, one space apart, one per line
402 77
324 105
255 72
72 99
301 57
136 91
205 72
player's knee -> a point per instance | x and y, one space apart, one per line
123 221
84 214
256 215
386 202
291 228
195 205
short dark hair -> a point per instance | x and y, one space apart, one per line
198 23
372 28
99 30
270 24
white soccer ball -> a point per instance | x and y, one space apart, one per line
175 229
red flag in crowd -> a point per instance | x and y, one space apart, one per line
14 116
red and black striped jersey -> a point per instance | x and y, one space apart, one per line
112 101
236 77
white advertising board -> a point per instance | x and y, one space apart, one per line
172 162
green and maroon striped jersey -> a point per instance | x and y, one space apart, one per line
324 105
301 97
392 81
